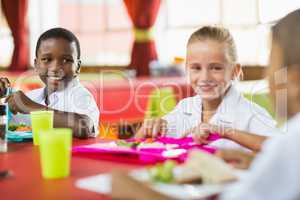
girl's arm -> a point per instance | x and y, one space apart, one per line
245 139
251 141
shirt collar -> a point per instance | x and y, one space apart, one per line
194 106
230 101
73 83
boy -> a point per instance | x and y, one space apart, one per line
57 63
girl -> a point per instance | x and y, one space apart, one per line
211 64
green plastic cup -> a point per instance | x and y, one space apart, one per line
55 152
40 121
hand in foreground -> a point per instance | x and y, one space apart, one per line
239 159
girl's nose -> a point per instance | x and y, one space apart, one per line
205 75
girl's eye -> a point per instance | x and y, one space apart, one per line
196 68
217 67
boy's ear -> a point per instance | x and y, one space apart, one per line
78 66
35 65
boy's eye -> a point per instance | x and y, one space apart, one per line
45 60
68 60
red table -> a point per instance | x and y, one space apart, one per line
126 100
27 183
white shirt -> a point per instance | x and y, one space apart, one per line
74 98
235 111
275 172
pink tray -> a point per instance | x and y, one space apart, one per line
142 156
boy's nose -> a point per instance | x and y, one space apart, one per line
56 66
56 69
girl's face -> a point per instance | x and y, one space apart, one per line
57 63
209 69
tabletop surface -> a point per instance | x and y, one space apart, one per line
27 183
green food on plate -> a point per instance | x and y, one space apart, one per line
19 127
163 172
127 144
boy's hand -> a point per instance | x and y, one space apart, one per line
18 102
239 159
4 85
201 132
152 128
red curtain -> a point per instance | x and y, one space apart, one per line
16 16
143 14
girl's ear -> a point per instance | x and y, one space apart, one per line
237 73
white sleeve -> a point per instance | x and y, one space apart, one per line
172 121
84 103
274 174
261 123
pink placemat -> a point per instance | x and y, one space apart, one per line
142 155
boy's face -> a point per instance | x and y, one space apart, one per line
284 84
209 69
275 63
57 63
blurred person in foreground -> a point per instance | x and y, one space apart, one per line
274 173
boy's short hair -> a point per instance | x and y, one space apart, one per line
58 33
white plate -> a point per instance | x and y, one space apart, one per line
102 184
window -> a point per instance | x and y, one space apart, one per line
105 34
271 11
248 20
102 26
6 42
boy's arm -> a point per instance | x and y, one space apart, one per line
81 125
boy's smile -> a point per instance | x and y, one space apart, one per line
57 63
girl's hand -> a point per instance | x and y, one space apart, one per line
201 132
152 128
